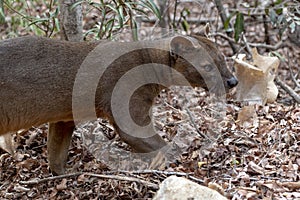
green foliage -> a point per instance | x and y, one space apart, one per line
182 21
281 14
227 22
116 15
183 18
26 14
284 17
41 16
278 55
2 15
238 26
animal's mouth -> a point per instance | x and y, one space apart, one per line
228 84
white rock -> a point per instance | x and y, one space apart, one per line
178 188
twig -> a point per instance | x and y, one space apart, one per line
164 12
110 175
187 175
174 17
294 78
105 176
247 44
223 36
266 30
152 171
227 177
271 47
124 178
247 13
192 20
38 181
267 46
288 89
223 16
291 72
194 124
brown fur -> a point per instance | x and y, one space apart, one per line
37 77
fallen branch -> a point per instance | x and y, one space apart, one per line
110 175
38 181
104 176
229 39
187 175
267 46
260 45
288 89
193 20
124 178
194 124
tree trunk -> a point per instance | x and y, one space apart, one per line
70 20
60 133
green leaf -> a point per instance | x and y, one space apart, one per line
155 9
121 16
273 16
267 11
109 24
134 31
57 26
90 31
297 18
277 2
2 15
281 18
76 4
226 23
128 5
238 26
141 11
96 5
111 7
278 55
282 29
292 27
39 20
279 11
185 25
149 4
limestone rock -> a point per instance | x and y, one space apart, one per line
178 188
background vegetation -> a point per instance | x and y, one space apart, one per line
261 161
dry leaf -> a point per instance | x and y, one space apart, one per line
247 117
255 168
62 185
292 185
7 144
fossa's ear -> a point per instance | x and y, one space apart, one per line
182 44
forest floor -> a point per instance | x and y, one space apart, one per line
259 160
